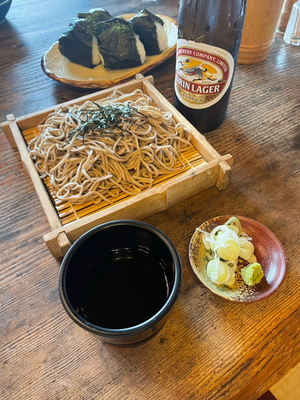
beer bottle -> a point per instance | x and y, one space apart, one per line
209 37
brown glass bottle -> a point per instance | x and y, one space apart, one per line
216 23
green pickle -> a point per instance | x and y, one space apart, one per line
252 274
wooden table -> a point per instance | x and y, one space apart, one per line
209 348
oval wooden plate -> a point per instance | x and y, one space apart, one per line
59 68
269 253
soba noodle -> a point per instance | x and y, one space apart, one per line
88 165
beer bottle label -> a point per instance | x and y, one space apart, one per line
203 73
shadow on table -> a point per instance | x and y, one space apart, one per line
16 47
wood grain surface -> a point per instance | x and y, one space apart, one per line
209 348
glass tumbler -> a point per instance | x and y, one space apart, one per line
292 32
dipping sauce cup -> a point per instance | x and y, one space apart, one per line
120 281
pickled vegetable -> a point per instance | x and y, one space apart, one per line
228 243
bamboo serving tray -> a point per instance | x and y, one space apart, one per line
205 168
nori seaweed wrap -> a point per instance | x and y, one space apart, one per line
119 46
150 29
78 43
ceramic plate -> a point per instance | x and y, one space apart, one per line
59 68
269 253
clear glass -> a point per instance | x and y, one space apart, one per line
285 16
292 32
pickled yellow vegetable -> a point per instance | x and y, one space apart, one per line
228 243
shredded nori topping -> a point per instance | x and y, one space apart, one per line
103 121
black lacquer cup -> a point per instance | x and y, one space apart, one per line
120 280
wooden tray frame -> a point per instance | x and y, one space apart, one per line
215 171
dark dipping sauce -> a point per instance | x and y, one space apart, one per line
125 288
